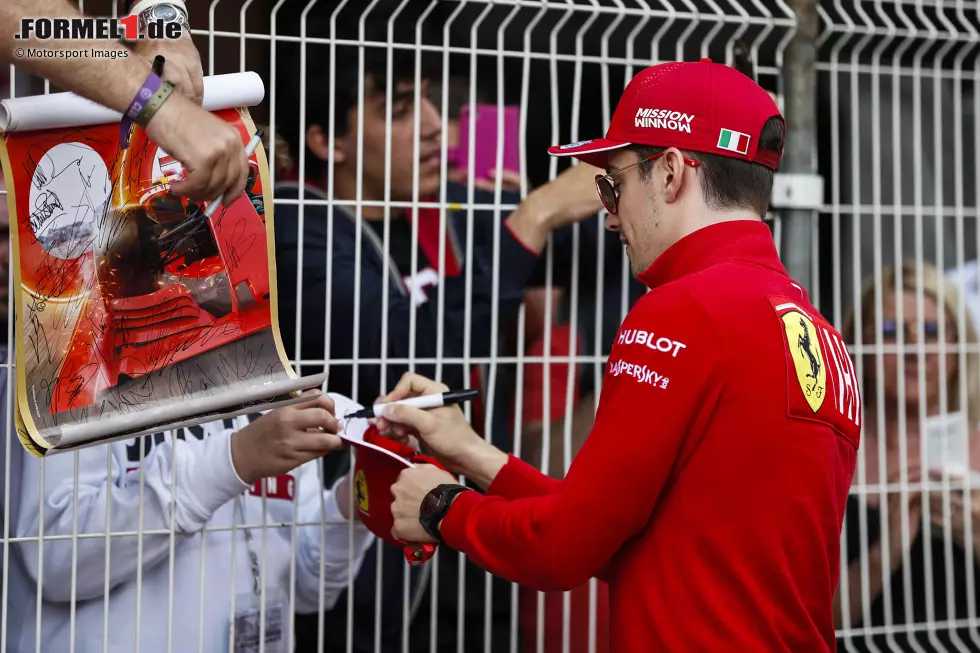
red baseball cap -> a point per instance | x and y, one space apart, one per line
378 463
696 106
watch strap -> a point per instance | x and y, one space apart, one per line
447 492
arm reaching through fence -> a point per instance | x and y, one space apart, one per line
189 479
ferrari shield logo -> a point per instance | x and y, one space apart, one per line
361 491
804 347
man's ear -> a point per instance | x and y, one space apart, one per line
675 174
319 144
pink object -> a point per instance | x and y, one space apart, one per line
486 135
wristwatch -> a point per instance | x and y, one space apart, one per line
166 13
436 504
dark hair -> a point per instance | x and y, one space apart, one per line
729 183
343 93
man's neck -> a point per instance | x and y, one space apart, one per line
705 217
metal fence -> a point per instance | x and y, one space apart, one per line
882 103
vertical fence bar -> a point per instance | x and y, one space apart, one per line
468 302
860 317
899 209
9 398
441 288
967 351
918 151
548 300
521 345
833 66
492 369
9 395
947 38
800 155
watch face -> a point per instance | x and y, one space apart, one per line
430 503
166 13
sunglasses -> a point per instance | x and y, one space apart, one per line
889 330
609 193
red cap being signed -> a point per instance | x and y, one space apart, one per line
696 106
378 462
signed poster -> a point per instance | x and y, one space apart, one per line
134 310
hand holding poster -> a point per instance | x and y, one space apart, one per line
135 311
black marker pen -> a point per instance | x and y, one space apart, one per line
423 402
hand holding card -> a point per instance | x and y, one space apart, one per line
947 446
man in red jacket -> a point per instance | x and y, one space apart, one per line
711 490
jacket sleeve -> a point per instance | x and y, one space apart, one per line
190 478
336 546
518 480
653 400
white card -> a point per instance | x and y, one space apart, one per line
947 438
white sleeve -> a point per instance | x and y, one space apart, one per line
344 542
205 479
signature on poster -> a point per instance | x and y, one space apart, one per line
69 190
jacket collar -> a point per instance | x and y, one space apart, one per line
748 241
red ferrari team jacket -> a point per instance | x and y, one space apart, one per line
711 490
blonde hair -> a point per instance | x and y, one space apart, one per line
932 281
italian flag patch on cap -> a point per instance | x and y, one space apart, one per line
733 141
